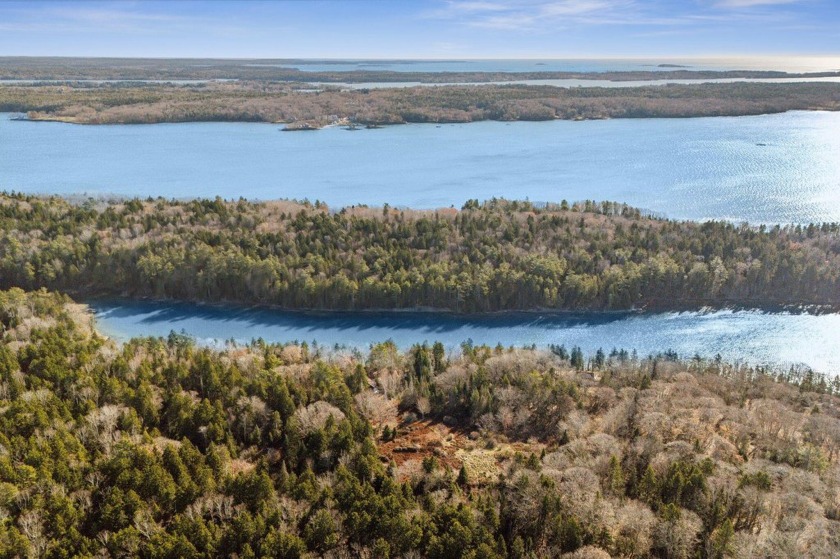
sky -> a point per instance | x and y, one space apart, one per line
421 29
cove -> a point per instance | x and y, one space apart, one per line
759 338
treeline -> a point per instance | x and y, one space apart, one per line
290 103
494 256
161 449
71 68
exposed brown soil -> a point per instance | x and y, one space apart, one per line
422 439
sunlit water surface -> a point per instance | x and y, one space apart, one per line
771 168
779 339
776 168
775 63
576 82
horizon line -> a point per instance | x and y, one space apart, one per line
442 59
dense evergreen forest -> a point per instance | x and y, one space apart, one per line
314 106
493 256
161 449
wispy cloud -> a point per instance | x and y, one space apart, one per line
110 17
752 3
127 17
549 15
531 14
423 28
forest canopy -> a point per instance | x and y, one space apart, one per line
161 449
314 106
493 256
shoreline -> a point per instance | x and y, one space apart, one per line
342 330
306 127
791 308
446 104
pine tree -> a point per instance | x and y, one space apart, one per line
719 544
463 480
616 480
649 488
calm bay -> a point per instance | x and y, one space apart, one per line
780 168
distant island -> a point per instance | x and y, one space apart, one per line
145 91
315 107
285 70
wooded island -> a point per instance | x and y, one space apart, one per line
314 107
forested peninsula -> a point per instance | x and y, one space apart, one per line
493 256
158 449
303 107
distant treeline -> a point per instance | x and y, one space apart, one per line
494 256
69 69
266 102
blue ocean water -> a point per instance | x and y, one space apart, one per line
770 168
782 64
